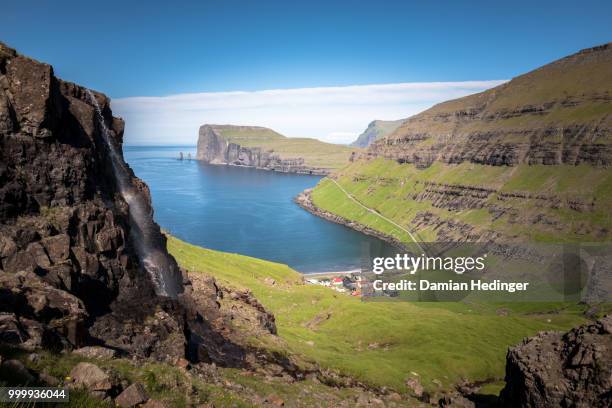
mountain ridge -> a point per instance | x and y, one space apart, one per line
558 113
527 160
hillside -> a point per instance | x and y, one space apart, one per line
262 147
557 114
381 344
529 159
377 129
342 350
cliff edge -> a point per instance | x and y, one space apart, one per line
70 270
82 263
263 148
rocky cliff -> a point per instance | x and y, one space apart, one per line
377 129
555 369
69 268
78 243
216 148
559 113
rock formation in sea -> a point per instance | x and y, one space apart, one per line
554 369
213 148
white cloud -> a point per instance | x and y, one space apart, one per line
333 114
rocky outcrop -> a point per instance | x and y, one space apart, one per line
546 116
213 148
554 369
72 272
68 259
377 129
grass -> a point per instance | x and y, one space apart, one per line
381 343
162 382
390 188
314 152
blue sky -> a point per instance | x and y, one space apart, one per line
158 49
138 48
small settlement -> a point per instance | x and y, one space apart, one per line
345 283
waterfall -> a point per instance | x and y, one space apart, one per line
144 234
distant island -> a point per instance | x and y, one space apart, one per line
263 148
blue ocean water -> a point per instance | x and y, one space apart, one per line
245 211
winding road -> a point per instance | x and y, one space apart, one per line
350 196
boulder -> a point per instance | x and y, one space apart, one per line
414 384
561 369
133 395
57 247
15 372
7 246
44 312
39 255
10 329
19 261
90 377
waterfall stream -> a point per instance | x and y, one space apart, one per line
162 270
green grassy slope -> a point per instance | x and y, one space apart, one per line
572 91
529 160
390 188
314 152
381 343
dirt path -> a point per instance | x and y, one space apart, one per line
350 196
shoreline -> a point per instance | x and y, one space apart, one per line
304 200
307 171
331 273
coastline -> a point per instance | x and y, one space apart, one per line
307 171
304 200
331 274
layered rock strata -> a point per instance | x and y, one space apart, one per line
560 113
213 148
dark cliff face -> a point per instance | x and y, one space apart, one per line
69 270
73 219
560 113
561 370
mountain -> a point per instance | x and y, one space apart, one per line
377 129
527 160
557 114
264 148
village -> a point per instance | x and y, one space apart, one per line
350 283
